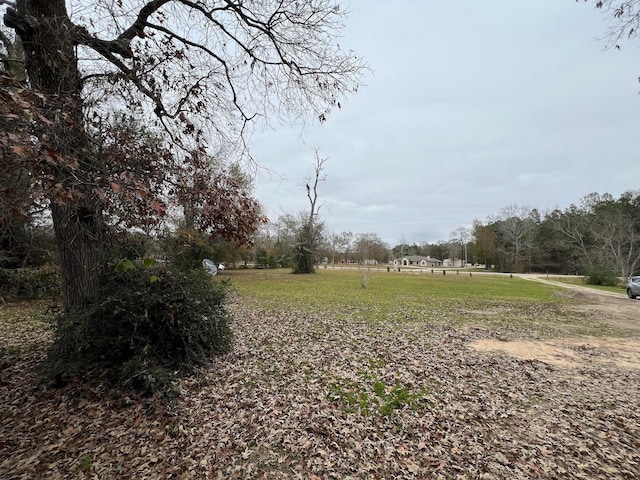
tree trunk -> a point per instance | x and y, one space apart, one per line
52 69
80 243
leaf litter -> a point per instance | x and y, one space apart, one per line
305 396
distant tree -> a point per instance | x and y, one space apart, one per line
403 249
424 249
514 228
266 240
602 232
219 201
334 244
289 228
310 230
462 236
437 250
370 247
286 227
568 241
345 242
142 178
485 244
617 231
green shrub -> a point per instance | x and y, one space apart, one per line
304 260
30 283
152 321
602 277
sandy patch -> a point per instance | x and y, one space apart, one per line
570 352
611 308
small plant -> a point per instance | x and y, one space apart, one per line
398 396
364 278
377 397
86 462
354 400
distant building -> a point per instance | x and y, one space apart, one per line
453 262
417 261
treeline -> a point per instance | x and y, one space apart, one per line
597 237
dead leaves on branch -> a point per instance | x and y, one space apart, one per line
302 397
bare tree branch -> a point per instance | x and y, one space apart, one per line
625 19
268 59
312 186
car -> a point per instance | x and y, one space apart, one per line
633 287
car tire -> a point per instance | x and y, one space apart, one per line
630 295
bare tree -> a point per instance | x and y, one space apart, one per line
369 247
462 236
310 231
346 241
206 71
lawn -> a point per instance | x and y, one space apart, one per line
388 288
511 306
329 380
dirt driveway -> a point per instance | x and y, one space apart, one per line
612 308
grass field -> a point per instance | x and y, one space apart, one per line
512 306
385 287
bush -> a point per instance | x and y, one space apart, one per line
152 322
602 277
304 259
30 283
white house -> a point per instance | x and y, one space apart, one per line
417 261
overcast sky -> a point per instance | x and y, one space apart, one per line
471 107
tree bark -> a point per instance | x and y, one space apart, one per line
80 243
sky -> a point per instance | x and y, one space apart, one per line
470 107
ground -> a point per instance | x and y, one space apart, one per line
308 397
614 309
